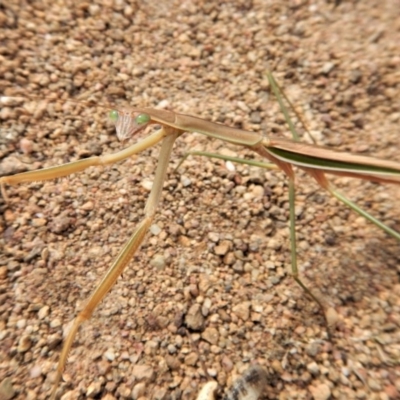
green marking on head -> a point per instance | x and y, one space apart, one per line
113 115
142 119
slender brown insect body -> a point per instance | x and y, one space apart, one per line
316 161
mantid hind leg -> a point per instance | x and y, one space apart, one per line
329 313
293 248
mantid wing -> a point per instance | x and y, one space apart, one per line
306 155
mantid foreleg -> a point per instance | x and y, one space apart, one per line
80 165
125 255
168 135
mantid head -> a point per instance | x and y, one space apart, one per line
128 122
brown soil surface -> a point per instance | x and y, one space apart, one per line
219 247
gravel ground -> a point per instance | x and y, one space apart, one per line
209 292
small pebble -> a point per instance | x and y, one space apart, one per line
35 372
43 312
185 181
109 354
207 391
242 310
158 262
194 318
320 391
93 389
211 335
26 146
138 390
146 184
313 368
155 229
7 391
24 344
143 372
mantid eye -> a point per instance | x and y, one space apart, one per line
113 115
142 119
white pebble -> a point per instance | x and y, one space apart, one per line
110 355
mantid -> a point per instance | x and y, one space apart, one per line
284 154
